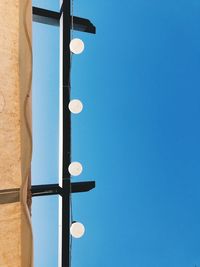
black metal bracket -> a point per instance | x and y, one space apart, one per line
55 189
45 16
50 17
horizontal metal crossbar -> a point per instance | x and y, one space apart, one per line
55 189
50 17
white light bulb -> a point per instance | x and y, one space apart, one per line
75 106
76 46
75 168
77 229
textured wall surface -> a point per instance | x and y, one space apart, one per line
10 233
15 131
9 96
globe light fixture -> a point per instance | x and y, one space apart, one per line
77 229
76 46
75 168
75 106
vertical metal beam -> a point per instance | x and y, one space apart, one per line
66 16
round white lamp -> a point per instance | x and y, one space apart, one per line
77 229
75 168
75 106
76 46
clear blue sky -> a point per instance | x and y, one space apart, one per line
138 135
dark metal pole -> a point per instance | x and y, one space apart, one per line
66 17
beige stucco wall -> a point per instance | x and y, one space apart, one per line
15 130
10 169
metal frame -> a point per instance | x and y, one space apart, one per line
53 18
